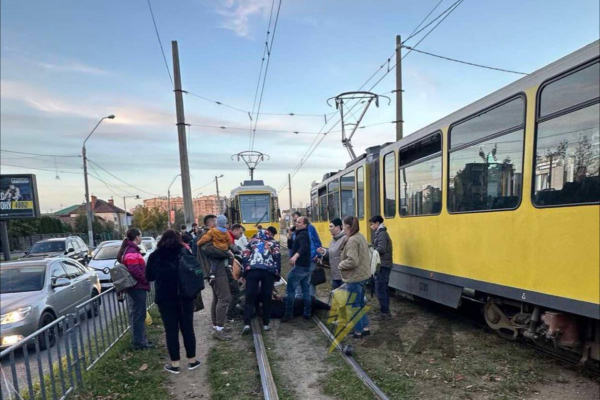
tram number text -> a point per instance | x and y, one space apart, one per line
423 287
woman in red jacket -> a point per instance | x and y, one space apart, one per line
130 255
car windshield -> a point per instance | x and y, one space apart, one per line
255 208
149 245
48 247
107 253
22 279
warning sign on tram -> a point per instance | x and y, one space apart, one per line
18 197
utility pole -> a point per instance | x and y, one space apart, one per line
290 189
218 197
169 201
399 120
5 242
188 207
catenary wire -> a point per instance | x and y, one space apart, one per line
465 62
40 155
41 169
121 180
424 19
162 50
262 91
108 185
449 9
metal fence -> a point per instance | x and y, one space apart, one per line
50 363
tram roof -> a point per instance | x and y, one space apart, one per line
253 186
567 62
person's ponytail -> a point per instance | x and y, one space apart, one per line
131 234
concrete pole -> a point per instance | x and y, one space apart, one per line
169 208
5 242
218 197
89 215
399 118
188 207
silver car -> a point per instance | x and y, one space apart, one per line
35 293
105 258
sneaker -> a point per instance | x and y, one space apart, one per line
221 335
227 329
193 366
172 369
246 329
366 332
266 328
357 335
286 318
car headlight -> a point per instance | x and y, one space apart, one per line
15 316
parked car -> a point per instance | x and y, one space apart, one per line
105 258
150 243
103 244
72 247
35 293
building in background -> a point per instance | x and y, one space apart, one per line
105 210
203 205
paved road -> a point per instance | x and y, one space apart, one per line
98 333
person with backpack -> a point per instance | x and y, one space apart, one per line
383 244
130 255
262 267
355 268
176 310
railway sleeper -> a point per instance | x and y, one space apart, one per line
563 331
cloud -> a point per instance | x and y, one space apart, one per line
72 66
237 14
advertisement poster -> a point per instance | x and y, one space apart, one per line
18 197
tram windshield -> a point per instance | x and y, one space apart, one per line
255 208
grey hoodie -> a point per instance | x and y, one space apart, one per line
334 252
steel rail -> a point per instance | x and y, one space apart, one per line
266 376
362 375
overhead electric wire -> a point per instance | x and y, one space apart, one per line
254 130
424 19
262 91
445 13
40 155
466 62
41 169
449 9
108 185
121 180
162 50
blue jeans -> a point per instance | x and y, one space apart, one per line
136 300
356 304
312 288
298 278
382 281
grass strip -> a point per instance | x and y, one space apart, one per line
284 386
233 371
126 374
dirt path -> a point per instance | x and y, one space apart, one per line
194 384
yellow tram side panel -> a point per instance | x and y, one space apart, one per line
555 251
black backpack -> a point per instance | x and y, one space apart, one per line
191 277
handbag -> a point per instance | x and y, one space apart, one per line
318 276
121 278
198 303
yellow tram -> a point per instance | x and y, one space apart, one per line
497 202
253 204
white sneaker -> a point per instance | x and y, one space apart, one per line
266 328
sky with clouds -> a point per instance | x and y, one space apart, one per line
65 64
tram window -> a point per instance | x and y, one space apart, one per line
421 188
571 90
360 186
389 184
323 204
333 199
498 119
567 154
255 208
314 203
348 195
488 175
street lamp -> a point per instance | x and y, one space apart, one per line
169 200
137 196
218 197
87 191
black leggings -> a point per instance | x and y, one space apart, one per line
176 316
266 280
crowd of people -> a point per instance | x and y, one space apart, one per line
242 276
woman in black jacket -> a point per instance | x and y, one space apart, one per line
175 311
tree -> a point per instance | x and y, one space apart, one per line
179 218
150 220
50 225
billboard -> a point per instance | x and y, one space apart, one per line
18 197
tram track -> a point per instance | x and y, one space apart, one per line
266 376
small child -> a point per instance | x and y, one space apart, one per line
219 236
